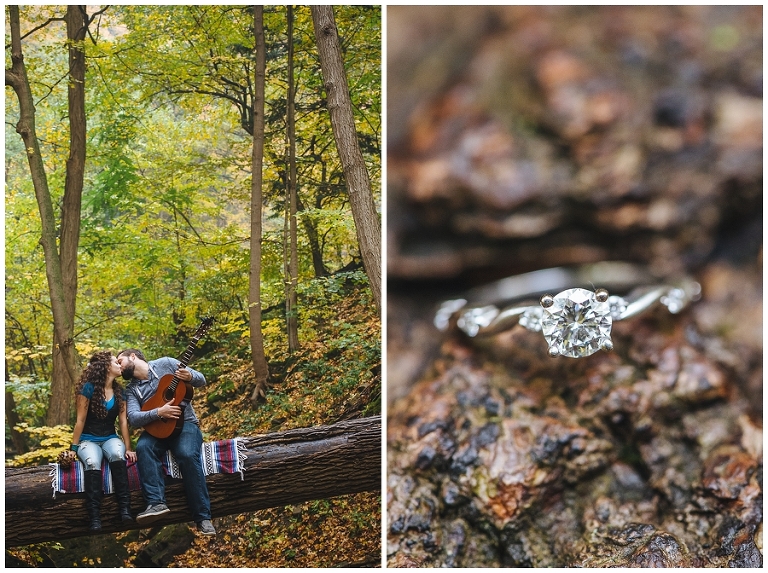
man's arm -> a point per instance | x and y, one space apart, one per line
197 378
171 364
136 417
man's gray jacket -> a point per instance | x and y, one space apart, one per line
139 391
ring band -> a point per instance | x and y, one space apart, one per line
575 322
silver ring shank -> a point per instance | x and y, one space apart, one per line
616 276
501 305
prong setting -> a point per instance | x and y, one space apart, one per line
601 295
553 352
547 300
606 344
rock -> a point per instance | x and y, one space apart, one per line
661 550
727 470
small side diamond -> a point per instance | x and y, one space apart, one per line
675 300
617 305
446 311
531 318
471 321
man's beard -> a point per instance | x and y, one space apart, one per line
128 371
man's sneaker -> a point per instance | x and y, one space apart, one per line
152 513
206 527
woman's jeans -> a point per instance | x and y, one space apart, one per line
92 453
186 449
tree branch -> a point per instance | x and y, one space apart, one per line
36 28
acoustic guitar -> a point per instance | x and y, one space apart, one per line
173 389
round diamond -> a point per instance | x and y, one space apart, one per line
576 324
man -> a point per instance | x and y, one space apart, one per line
144 378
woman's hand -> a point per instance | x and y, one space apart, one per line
130 456
67 458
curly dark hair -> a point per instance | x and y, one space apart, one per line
96 374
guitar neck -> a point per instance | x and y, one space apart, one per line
184 360
187 356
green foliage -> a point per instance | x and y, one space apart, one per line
356 352
165 213
30 395
49 441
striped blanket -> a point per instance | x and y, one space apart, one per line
224 456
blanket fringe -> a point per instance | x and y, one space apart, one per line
54 475
241 456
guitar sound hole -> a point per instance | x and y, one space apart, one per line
168 395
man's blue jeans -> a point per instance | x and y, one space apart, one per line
186 448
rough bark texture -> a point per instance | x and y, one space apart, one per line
260 366
282 468
531 137
366 219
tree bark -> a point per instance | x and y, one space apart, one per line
292 277
366 219
260 366
60 267
281 468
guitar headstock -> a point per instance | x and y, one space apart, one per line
205 324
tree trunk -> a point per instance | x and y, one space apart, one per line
60 267
281 468
366 219
63 384
12 418
292 277
260 366
314 244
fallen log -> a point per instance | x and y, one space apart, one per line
280 469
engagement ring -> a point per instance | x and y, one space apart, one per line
576 307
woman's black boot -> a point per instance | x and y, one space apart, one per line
93 495
120 482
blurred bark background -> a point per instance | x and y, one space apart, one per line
529 137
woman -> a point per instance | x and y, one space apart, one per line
100 401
